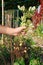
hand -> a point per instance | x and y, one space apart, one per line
18 30
11 31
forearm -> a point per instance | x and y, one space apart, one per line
6 30
11 31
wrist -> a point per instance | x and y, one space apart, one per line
11 31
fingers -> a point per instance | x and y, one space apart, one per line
19 30
22 28
20 33
23 33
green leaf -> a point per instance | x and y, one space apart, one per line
21 61
34 62
16 63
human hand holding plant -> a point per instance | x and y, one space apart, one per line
18 30
11 31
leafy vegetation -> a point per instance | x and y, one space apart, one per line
24 49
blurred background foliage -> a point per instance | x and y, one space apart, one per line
12 4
